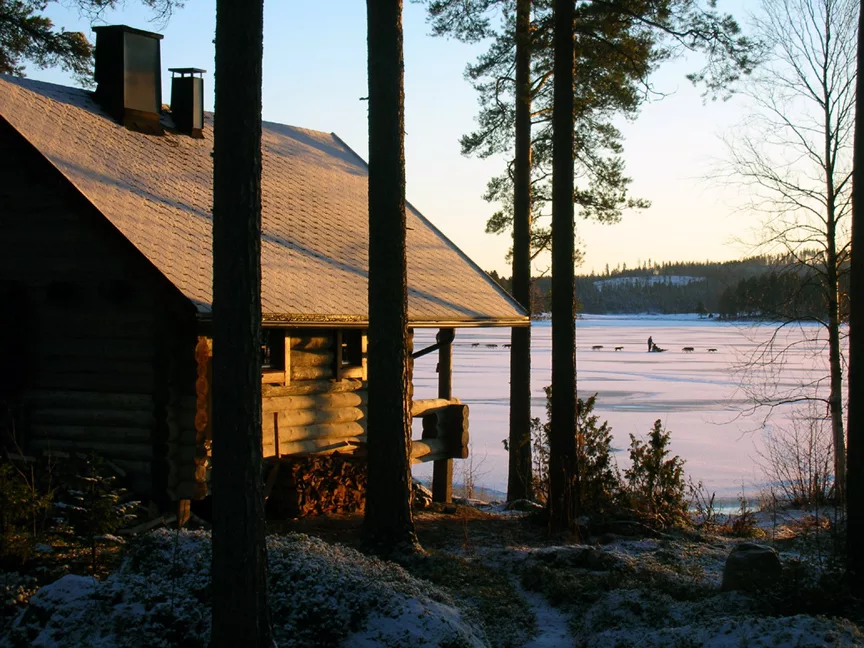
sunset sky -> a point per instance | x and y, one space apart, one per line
315 75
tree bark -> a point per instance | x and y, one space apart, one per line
388 524
519 479
562 444
835 395
855 467
239 564
832 288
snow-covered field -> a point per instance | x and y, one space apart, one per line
697 394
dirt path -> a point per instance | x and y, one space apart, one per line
552 629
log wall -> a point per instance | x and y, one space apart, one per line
91 323
316 412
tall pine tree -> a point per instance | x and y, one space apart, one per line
618 45
563 496
239 568
855 424
519 478
388 524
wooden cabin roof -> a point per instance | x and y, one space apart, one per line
157 191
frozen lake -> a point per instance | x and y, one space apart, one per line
698 394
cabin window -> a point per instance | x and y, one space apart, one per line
350 356
273 365
272 349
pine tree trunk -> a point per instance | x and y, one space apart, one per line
855 466
562 444
239 567
519 481
388 524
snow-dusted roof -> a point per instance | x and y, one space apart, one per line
157 191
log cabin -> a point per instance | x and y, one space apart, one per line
106 279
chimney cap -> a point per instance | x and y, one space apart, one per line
126 28
185 71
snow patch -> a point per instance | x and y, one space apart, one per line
552 625
418 624
319 595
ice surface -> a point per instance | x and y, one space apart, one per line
697 394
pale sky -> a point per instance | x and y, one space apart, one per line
315 74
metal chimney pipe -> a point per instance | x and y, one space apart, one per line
187 100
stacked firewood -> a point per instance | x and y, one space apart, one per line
319 485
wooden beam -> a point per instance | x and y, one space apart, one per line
142 419
314 401
316 446
442 470
112 451
423 407
423 450
356 373
87 433
300 418
88 400
273 376
311 373
309 342
287 433
311 387
316 358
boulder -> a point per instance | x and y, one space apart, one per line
524 505
751 567
421 496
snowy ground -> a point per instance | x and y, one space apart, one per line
623 593
320 595
697 394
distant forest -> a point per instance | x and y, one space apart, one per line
756 287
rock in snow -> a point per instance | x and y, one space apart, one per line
751 567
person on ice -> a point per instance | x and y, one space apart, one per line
650 343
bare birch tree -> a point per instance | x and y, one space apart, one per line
794 154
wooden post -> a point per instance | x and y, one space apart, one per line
442 470
337 356
287 362
183 512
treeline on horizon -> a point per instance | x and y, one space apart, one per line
769 287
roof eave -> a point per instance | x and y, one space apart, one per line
281 320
